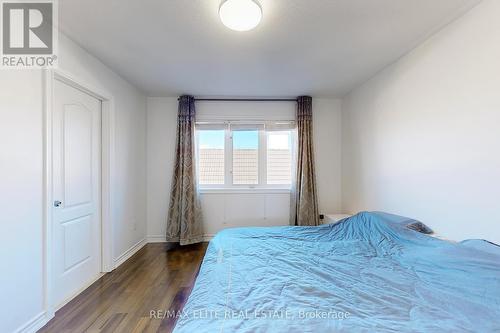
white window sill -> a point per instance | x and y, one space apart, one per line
243 190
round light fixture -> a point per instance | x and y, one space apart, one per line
240 15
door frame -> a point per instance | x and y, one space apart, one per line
107 175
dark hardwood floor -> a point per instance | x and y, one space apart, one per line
122 301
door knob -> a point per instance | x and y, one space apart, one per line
57 203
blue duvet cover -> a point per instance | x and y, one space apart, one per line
368 273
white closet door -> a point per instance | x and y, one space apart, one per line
76 192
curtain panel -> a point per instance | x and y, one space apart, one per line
184 223
304 201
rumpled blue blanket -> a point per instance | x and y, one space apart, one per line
368 273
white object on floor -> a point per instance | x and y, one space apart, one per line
334 218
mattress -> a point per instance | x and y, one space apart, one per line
368 273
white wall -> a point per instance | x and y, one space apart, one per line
222 210
327 153
422 137
21 176
161 127
21 170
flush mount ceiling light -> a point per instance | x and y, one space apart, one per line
240 15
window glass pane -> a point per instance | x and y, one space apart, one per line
246 157
211 157
279 158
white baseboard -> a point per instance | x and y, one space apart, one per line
35 323
208 237
156 239
130 252
161 238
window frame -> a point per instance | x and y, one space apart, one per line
229 126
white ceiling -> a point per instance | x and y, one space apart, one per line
316 47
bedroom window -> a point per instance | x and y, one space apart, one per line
211 157
279 157
245 157
234 155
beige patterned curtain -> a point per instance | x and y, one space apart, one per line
184 224
304 201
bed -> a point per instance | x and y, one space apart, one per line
367 273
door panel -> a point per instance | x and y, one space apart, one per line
77 155
76 180
77 241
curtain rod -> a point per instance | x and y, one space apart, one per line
245 99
